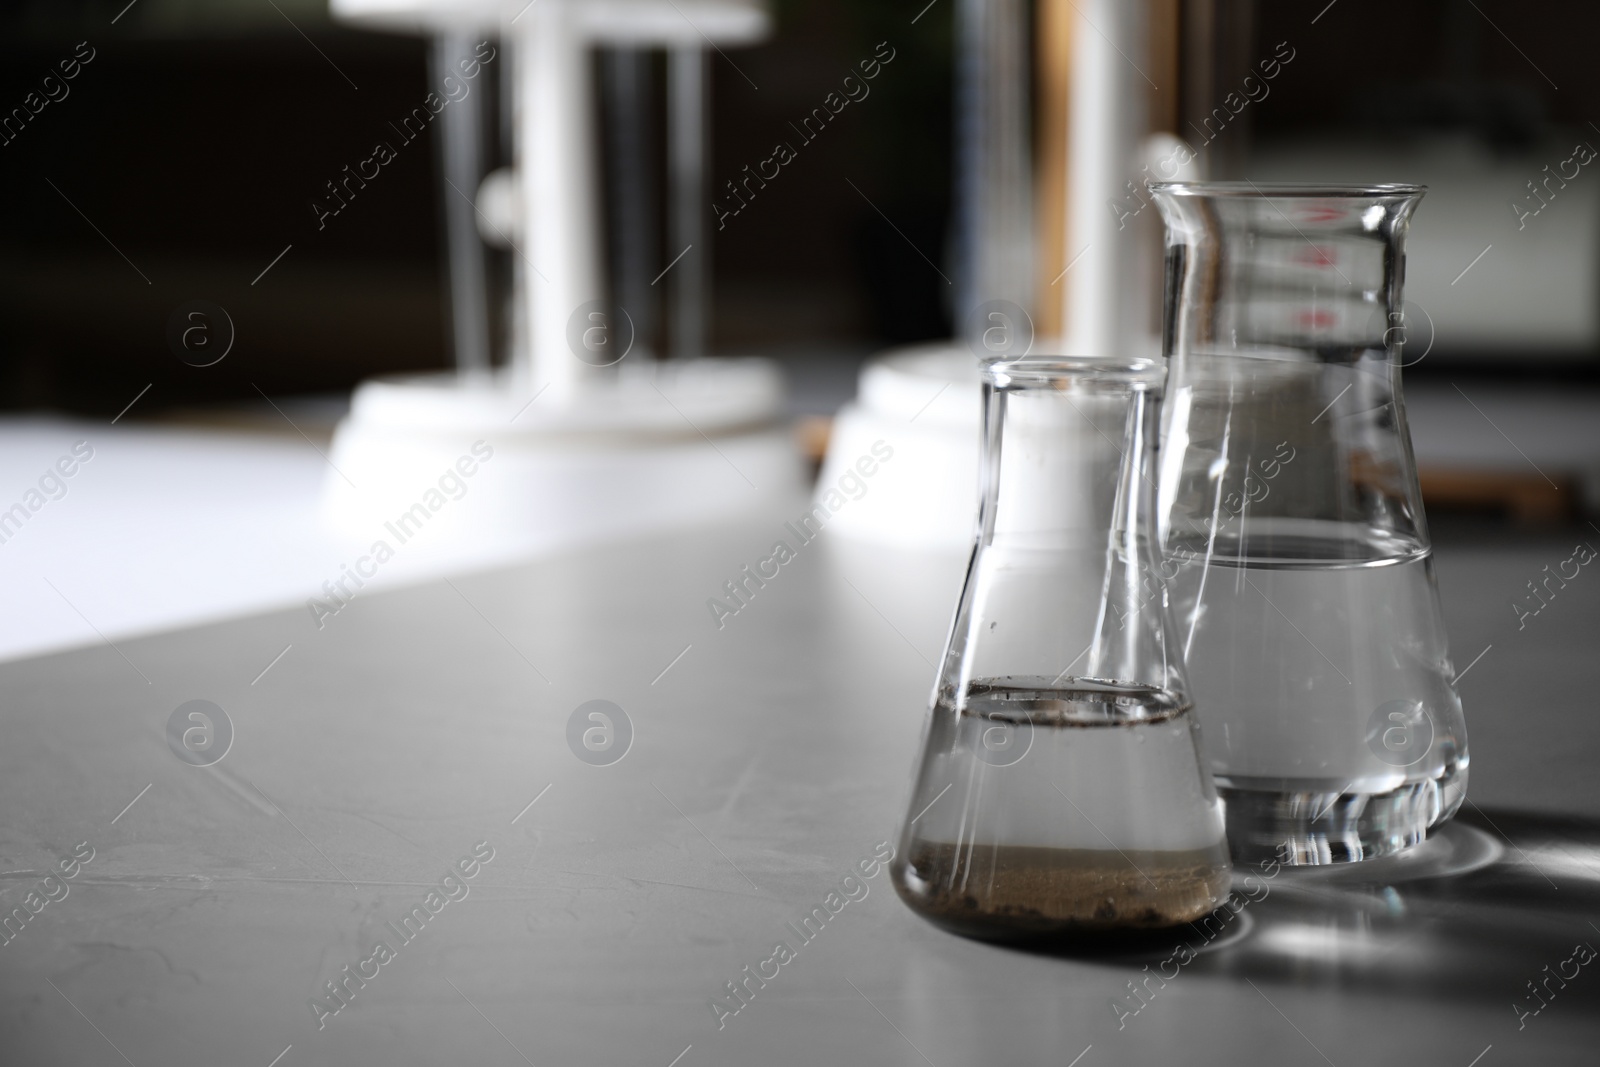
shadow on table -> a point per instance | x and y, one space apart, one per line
1495 908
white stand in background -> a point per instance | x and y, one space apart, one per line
663 444
931 500
671 442
925 403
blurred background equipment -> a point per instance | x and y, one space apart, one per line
1125 95
1095 131
182 161
208 190
610 435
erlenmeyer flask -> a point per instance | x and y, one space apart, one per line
1060 787
1304 590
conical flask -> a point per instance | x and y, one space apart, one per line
1059 788
1304 586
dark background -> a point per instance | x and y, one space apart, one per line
196 138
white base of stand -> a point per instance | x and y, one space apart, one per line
925 403
473 462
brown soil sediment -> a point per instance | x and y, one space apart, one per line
1011 889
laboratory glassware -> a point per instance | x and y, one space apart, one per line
1060 789
1304 584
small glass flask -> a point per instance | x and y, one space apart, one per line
1059 789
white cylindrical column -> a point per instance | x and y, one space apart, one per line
1107 124
558 171
994 166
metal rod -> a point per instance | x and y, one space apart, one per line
461 151
690 279
635 244
994 180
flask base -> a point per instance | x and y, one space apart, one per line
1021 894
1314 828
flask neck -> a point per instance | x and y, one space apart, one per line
1066 583
1270 271
1285 331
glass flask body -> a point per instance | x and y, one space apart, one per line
1059 789
1304 588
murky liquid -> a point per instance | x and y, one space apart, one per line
1047 806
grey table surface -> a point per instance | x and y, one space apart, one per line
768 758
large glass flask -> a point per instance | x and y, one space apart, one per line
1060 788
1304 584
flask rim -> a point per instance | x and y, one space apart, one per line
1134 372
1291 190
